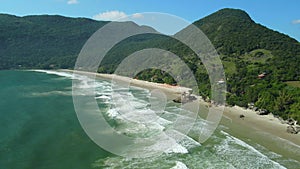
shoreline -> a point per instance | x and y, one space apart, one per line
265 130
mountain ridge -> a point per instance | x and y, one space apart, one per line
238 14
246 48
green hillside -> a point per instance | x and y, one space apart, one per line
237 37
247 50
43 41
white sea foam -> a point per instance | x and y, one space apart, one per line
103 97
177 148
138 120
64 74
231 149
240 153
179 165
163 144
183 139
50 93
112 113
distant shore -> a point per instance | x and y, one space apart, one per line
265 130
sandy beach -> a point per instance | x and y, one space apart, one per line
265 130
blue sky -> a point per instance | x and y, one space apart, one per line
280 15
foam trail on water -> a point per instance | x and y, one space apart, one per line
63 74
251 157
179 165
43 94
132 120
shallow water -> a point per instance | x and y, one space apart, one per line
40 129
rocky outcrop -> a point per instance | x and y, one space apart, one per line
252 107
291 121
262 112
177 100
292 129
185 98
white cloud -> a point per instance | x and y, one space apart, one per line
296 21
137 15
71 2
110 16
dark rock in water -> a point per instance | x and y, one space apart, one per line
192 98
262 112
177 100
182 99
291 129
185 98
242 116
290 121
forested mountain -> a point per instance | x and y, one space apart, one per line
259 62
237 37
248 50
43 41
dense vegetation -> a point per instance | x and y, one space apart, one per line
43 41
247 50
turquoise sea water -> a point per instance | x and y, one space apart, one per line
40 130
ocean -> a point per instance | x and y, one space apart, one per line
40 130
